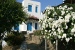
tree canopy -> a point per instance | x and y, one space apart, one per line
11 13
70 1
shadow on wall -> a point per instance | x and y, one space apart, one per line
0 47
40 46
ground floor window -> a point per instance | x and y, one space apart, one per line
29 26
16 27
35 25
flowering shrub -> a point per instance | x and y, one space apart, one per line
59 23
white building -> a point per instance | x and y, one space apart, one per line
33 8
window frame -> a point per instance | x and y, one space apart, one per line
29 8
36 26
29 26
36 9
16 27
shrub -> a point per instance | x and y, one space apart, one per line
37 32
14 38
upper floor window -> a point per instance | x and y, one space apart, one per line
36 9
30 8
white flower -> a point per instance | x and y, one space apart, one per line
73 17
72 24
70 8
58 29
67 11
59 36
73 13
73 30
49 12
64 36
65 6
49 34
45 30
54 42
54 33
53 29
61 20
43 36
50 19
60 7
66 27
67 39
49 8
47 37
68 16
67 20
49 30
70 37
46 25
42 33
62 30
54 13
74 35
63 12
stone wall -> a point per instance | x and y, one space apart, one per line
33 43
38 43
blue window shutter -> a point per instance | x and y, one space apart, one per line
36 9
16 27
30 8
29 26
35 25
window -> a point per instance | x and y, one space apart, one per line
35 25
16 27
36 9
29 26
30 8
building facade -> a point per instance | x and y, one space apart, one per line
33 9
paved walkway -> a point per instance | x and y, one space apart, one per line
23 46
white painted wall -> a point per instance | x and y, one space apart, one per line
25 3
23 27
4 43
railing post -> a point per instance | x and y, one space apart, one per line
45 43
56 44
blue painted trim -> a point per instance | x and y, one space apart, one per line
35 25
16 27
36 9
29 26
30 8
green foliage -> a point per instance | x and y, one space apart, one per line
11 13
37 32
63 45
69 5
14 38
69 1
